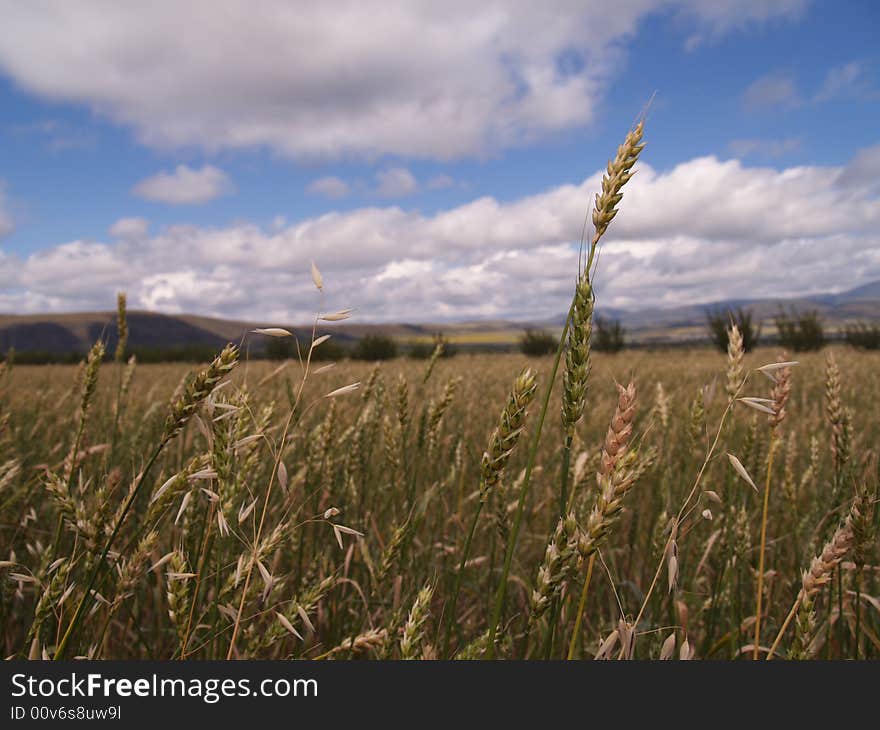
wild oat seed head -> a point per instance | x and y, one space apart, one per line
317 279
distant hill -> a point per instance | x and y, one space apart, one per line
63 333
689 323
864 293
67 333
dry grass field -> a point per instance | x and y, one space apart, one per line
309 526
668 504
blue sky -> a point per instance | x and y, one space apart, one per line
434 167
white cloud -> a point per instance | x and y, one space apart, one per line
184 185
720 17
763 147
6 224
339 78
772 91
129 228
846 80
395 182
779 90
704 230
391 182
330 187
862 174
440 182
75 270
57 135
165 292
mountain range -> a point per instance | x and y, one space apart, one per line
75 332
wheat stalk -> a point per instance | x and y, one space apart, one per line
819 573
618 174
779 398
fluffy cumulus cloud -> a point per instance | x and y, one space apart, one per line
703 230
420 78
185 185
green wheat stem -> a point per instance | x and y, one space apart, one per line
501 591
461 566
80 608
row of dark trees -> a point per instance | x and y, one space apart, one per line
370 348
608 336
796 332
863 336
194 353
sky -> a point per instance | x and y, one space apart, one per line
434 160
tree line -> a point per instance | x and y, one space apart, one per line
796 331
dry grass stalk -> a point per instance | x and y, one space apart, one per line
781 376
819 574
179 543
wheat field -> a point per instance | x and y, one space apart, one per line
397 464
669 504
